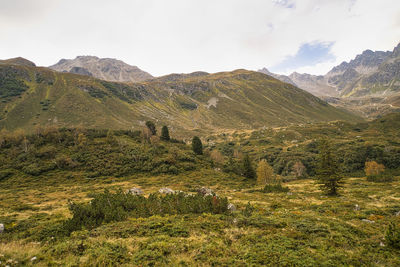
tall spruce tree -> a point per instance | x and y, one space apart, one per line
327 170
197 146
248 170
165 134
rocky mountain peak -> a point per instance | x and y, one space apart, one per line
103 68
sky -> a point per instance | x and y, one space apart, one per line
182 36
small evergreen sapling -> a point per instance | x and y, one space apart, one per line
248 170
165 134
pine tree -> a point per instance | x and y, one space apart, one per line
327 171
165 133
248 170
152 127
197 146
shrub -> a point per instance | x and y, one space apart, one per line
217 157
393 236
152 127
64 162
299 170
275 188
109 207
197 146
372 168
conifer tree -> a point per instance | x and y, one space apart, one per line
327 170
248 170
197 146
165 133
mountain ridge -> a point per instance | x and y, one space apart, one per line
369 73
198 102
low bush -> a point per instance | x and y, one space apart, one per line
380 178
110 207
275 188
393 236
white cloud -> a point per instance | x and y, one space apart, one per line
163 36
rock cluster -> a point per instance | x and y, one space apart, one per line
135 191
166 190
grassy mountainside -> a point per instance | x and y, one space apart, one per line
32 96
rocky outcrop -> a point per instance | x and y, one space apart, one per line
103 68
166 190
135 191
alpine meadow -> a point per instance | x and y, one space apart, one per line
258 133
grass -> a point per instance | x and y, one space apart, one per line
302 228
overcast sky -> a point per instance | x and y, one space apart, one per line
166 36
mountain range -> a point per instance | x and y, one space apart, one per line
366 84
200 102
370 73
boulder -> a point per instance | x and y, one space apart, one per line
367 221
135 191
166 190
1 228
397 213
231 207
206 191
356 207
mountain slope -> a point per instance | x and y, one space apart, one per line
203 102
103 68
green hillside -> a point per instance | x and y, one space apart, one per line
32 96
63 199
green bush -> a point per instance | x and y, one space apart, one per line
393 236
275 188
110 207
384 177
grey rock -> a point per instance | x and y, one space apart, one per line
397 213
367 221
135 191
356 207
33 258
1 228
166 190
231 207
206 191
